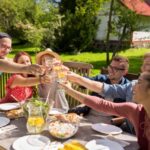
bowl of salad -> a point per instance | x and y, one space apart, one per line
64 126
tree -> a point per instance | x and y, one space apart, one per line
30 21
124 23
79 25
109 28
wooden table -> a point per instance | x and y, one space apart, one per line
85 132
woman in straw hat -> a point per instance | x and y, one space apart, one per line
51 92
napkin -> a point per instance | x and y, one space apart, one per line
7 128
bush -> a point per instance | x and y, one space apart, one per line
78 26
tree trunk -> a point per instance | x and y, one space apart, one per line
109 31
120 40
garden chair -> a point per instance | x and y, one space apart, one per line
82 69
129 76
3 80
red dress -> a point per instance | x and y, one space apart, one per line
20 93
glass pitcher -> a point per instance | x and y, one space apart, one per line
36 120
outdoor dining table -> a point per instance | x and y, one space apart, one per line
84 134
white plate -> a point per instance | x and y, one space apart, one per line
53 146
4 121
106 128
31 142
9 106
56 111
103 144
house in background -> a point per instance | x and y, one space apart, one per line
140 38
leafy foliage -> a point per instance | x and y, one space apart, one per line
124 22
30 21
78 25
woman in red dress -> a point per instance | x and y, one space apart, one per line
19 87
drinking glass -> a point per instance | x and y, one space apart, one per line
48 63
60 72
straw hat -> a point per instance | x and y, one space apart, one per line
48 51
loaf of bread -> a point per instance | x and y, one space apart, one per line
16 113
71 117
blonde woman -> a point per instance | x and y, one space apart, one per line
51 92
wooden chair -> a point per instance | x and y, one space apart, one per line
3 80
103 70
82 69
132 76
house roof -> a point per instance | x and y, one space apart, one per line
141 7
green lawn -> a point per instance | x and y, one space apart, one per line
98 59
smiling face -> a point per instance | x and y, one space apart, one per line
141 90
5 47
117 69
24 60
47 60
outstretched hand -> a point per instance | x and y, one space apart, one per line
35 69
46 79
65 85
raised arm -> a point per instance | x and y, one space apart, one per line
11 67
30 81
108 91
90 84
101 105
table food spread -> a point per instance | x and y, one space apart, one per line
62 131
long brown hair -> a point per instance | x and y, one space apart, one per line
19 54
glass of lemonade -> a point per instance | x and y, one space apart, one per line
60 73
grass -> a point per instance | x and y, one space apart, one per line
98 60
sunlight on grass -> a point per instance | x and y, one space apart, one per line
98 60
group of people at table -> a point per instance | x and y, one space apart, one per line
131 99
